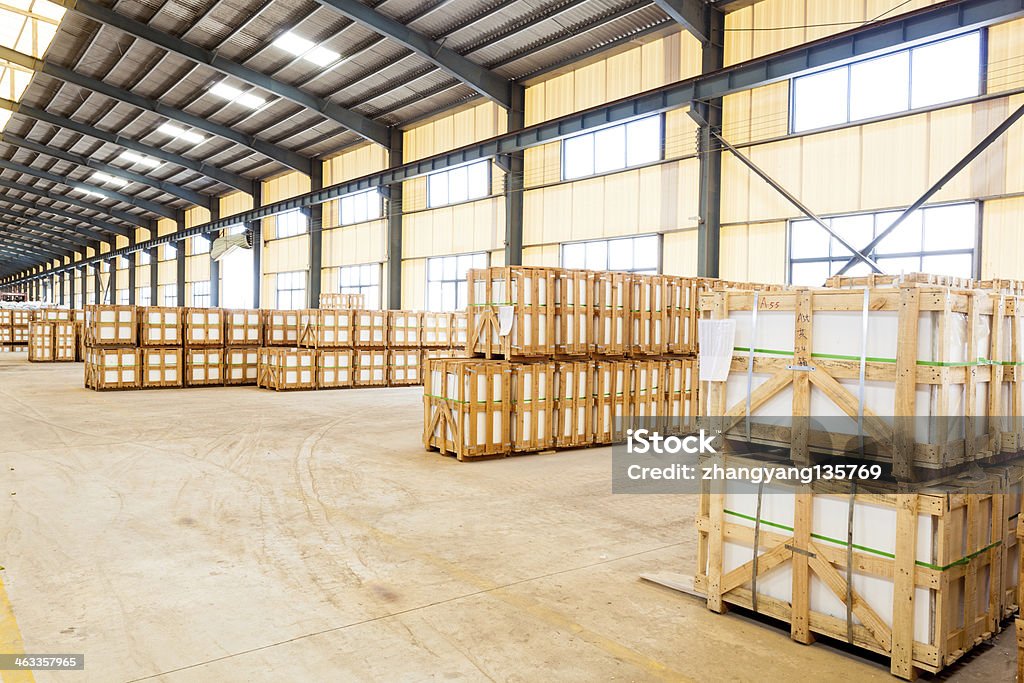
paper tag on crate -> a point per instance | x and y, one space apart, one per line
716 339
506 314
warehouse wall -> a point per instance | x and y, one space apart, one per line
197 268
286 254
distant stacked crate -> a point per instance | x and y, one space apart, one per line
282 369
589 355
112 358
338 301
52 336
161 329
243 336
204 347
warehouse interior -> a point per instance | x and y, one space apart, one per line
202 199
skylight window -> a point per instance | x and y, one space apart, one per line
107 178
178 132
307 49
235 95
134 158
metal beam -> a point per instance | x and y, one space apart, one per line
75 236
97 223
515 184
32 246
145 204
279 154
996 133
395 230
314 219
690 14
708 116
230 179
190 196
357 123
67 199
797 203
73 243
947 18
482 80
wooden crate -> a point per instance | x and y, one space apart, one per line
371 368
21 317
80 340
6 334
161 367
682 311
612 322
335 368
111 368
404 329
325 328
281 328
204 327
574 312
612 400
404 367
1011 486
241 365
65 341
285 369
682 400
911 578
52 315
460 330
435 330
649 304
511 312
336 301
645 400
573 424
369 329
243 327
1020 648
19 334
6 315
204 366
1008 378
160 325
41 342
467 408
533 403
927 348
111 325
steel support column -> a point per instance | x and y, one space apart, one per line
214 264
395 225
315 220
112 279
257 247
60 286
179 258
708 115
71 288
97 284
154 277
131 278
514 185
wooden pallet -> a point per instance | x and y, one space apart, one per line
573 423
649 307
336 301
533 402
435 330
111 325
41 342
371 368
161 367
160 326
369 329
65 341
877 584
574 312
786 371
525 298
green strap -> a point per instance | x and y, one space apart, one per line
878 359
874 551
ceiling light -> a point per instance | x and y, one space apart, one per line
289 42
230 93
178 132
107 178
307 49
321 56
139 159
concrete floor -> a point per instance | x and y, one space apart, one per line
235 534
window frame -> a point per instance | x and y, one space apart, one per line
165 291
660 239
982 35
447 173
379 206
592 134
291 290
427 297
974 251
202 284
362 288
287 214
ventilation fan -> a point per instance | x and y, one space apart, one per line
225 244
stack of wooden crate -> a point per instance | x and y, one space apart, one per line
112 359
243 337
14 323
204 347
160 346
52 336
582 355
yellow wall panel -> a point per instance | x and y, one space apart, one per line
235 202
988 171
1005 59
754 253
679 253
547 256
281 256
414 284
831 173
1014 140
1002 249
949 138
781 161
895 163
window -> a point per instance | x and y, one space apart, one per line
944 71
446 280
142 297
460 184
169 295
291 290
122 297
142 257
938 239
199 245
291 223
201 294
236 230
361 207
168 252
364 279
123 262
630 254
613 149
